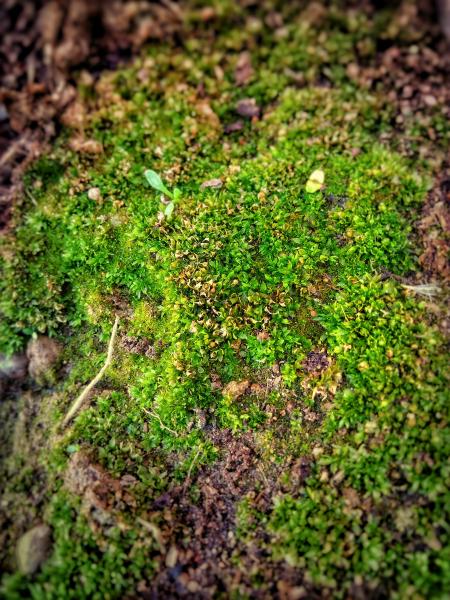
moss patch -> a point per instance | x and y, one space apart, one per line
246 282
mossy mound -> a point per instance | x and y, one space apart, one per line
256 308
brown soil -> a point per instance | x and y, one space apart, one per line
43 43
434 228
205 551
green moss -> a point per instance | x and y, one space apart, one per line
81 568
257 255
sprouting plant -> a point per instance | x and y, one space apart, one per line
157 183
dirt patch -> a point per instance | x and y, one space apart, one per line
206 558
434 230
42 44
23 487
43 355
316 362
414 70
203 532
103 496
139 346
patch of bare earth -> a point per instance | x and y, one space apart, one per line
23 480
434 229
103 497
192 526
205 557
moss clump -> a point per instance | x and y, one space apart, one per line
243 283
84 566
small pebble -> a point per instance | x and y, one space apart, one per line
212 183
171 557
94 194
248 108
430 100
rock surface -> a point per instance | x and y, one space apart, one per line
235 389
33 549
12 368
43 354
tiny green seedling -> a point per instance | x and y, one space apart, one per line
157 183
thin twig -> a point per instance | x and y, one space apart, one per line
156 416
13 149
424 289
191 466
82 397
155 531
30 196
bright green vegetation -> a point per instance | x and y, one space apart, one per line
258 256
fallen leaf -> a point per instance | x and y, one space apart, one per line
244 70
248 108
315 181
257 389
207 114
232 127
212 183
405 518
235 389
351 497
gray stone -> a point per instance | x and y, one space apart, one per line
13 367
33 549
3 113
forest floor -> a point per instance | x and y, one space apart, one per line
274 420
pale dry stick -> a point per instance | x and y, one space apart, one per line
424 289
155 531
30 196
158 418
13 149
191 466
84 394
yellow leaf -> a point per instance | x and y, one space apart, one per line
315 181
